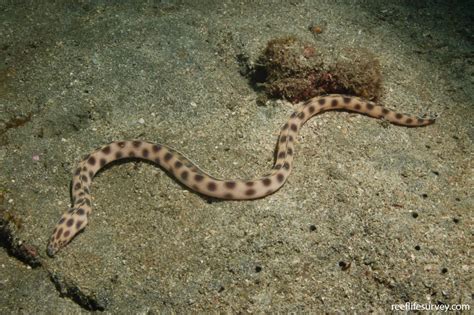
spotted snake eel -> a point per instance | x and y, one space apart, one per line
75 219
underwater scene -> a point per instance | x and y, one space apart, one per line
303 156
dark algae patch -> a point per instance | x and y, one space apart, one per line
294 70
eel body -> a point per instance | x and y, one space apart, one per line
76 218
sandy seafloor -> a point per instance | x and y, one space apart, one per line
372 214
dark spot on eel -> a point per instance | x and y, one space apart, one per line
211 186
230 184
91 160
